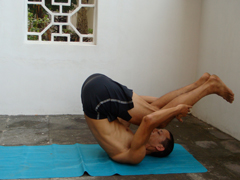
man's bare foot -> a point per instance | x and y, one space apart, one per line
202 79
221 89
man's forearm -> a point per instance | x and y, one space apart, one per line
165 123
162 117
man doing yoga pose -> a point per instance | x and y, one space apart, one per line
108 104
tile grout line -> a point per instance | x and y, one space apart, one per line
49 140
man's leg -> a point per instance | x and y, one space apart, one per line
143 108
214 85
162 101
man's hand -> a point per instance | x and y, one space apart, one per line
184 109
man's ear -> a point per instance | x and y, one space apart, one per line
160 147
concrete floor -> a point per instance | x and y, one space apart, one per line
217 151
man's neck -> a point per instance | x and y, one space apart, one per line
149 148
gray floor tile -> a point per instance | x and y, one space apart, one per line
27 122
67 122
69 136
3 122
13 137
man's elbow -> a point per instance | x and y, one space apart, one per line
148 120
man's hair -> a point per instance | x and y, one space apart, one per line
168 144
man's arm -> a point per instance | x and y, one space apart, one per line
166 122
137 151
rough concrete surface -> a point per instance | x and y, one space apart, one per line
217 151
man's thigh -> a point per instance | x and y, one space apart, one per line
141 108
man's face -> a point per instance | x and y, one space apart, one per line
158 136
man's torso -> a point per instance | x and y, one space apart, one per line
113 137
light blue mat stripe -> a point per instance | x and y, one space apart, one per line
73 160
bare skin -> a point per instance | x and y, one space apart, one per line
142 108
149 112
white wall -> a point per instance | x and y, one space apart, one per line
146 45
220 54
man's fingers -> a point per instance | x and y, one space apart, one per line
185 109
188 106
179 118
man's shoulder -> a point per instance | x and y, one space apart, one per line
129 157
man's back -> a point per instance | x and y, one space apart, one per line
113 137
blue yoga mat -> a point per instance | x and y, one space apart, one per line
73 160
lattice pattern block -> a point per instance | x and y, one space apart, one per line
48 22
62 3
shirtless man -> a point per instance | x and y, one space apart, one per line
107 103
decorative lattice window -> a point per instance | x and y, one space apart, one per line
72 21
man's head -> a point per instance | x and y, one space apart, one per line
160 143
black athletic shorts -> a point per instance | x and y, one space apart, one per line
104 98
